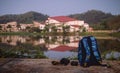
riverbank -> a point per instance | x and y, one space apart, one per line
45 66
94 33
18 33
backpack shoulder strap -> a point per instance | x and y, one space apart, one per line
80 52
94 47
87 48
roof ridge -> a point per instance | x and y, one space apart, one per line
62 18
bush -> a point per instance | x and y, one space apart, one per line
40 54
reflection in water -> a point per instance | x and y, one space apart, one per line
58 55
53 44
108 45
113 55
12 40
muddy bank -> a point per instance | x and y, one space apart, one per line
45 66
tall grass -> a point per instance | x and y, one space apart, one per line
116 34
21 51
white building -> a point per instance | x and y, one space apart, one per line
39 25
60 21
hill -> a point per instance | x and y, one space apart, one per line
109 24
92 16
97 19
24 18
113 23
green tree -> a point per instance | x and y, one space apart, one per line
9 27
46 29
65 29
82 29
54 29
92 16
34 29
114 23
28 28
103 25
18 26
24 18
0 27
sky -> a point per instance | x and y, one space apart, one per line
58 7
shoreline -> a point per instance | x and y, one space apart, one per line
96 34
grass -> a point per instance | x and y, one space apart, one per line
102 34
116 34
21 51
13 54
19 33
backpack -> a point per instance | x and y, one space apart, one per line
88 53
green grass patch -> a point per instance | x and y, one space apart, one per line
21 51
116 34
102 34
19 33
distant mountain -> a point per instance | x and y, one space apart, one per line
92 16
97 19
24 18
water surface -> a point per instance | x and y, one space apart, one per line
54 47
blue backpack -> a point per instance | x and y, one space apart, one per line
88 53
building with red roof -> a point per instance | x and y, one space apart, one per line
60 21
62 18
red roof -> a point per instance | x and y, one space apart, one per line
63 48
62 18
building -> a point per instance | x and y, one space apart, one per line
14 27
55 24
60 21
10 26
25 26
39 25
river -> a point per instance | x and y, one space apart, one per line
55 47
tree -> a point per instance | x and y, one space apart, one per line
82 29
92 16
0 27
18 26
24 18
66 29
47 27
54 29
114 23
9 27
28 28
34 29
103 25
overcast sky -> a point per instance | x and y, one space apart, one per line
58 7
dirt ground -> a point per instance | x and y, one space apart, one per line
45 66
